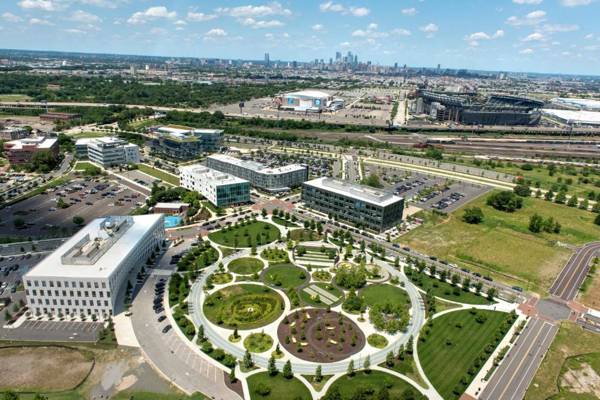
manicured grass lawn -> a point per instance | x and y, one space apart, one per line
376 340
304 235
572 347
14 97
159 174
283 222
245 265
285 276
321 276
372 383
281 388
81 135
459 347
384 293
444 290
82 165
275 255
306 299
257 233
503 246
243 306
258 342
220 279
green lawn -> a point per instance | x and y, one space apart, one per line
257 233
245 265
285 275
159 174
283 222
280 388
82 135
304 235
376 340
243 306
502 246
384 293
14 97
457 339
444 290
371 384
258 342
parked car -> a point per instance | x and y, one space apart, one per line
166 329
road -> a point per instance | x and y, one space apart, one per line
573 274
169 352
515 373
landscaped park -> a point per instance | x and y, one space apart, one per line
297 314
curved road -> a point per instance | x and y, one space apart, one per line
417 319
573 274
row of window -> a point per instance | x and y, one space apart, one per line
69 302
66 284
58 293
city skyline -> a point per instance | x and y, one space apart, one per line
548 36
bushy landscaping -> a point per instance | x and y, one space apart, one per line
258 342
388 307
371 386
376 340
351 276
243 306
246 234
198 257
275 255
463 339
304 235
245 265
318 300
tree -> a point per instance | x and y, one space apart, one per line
333 394
373 181
522 190
434 153
272 368
473 215
505 201
535 223
367 364
561 197
572 201
287 370
389 359
247 360
318 374
597 219
264 212
383 394
350 370
78 220
232 377
491 293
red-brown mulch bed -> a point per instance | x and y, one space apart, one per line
320 336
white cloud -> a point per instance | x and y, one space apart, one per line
199 17
551 28
102 3
180 22
533 18
40 21
526 51
318 27
534 37
339 8
409 11
84 17
575 3
157 31
215 33
589 36
400 32
527 1
152 13
9 17
251 11
46 5
254 24
474 38
74 31
430 29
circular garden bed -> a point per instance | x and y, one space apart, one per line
285 276
258 342
320 336
245 265
243 306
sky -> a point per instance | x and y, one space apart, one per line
553 36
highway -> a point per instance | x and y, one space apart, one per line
515 373
571 277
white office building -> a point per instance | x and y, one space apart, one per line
305 100
107 151
85 275
277 179
220 188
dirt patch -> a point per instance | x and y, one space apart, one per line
583 380
43 368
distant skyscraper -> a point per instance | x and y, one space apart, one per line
267 59
355 59
439 68
330 60
338 56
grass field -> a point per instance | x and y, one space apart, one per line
40 368
304 235
245 265
444 290
382 294
14 97
258 342
285 275
81 135
371 384
306 298
159 174
497 246
257 233
283 222
449 344
280 388
567 355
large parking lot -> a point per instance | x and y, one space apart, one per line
42 216
61 331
